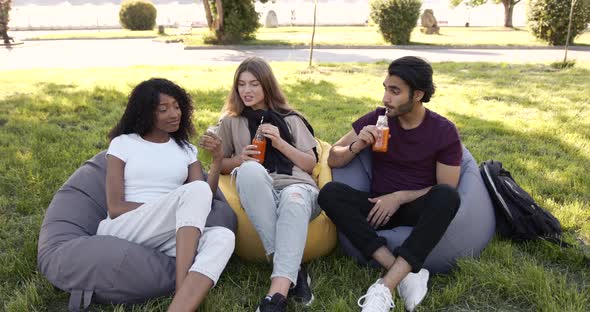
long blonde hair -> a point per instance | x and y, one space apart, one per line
273 96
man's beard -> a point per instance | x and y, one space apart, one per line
401 110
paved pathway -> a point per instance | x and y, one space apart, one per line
130 52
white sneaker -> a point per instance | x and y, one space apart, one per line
413 288
377 299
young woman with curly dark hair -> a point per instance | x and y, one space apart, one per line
156 195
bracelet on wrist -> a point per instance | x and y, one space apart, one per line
350 148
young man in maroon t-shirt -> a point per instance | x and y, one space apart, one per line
413 184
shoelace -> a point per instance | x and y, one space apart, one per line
378 298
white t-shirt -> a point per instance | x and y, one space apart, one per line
151 169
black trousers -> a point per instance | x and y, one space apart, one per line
430 215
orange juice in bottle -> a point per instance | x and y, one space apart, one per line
382 138
260 142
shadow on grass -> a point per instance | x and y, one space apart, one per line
329 112
47 135
524 153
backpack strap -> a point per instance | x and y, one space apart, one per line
489 178
76 297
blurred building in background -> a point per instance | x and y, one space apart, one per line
97 14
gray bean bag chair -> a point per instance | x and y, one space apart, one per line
467 235
104 269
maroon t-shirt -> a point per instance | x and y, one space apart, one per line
411 157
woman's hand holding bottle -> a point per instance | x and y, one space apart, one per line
249 152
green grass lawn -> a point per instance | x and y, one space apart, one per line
370 36
531 117
352 36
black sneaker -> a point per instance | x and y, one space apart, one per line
276 303
302 291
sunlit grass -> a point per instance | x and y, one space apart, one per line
347 36
369 36
97 34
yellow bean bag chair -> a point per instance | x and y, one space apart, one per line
321 234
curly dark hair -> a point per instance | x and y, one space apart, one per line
139 116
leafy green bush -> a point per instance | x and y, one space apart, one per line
240 21
396 18
137 15
548 19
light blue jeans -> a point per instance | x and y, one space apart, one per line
280 217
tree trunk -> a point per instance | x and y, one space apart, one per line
4 35
208 15
508 10
569 31
219 29
315 8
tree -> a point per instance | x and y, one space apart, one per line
508 11
231 20
214 17
396 18
4 18
549 20
508 7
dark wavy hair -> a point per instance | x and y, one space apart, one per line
416 73
140 114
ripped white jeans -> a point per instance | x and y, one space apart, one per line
281 217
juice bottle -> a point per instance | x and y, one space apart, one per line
260 142
382 139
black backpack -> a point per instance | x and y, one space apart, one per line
518 217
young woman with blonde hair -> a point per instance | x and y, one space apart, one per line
278 194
